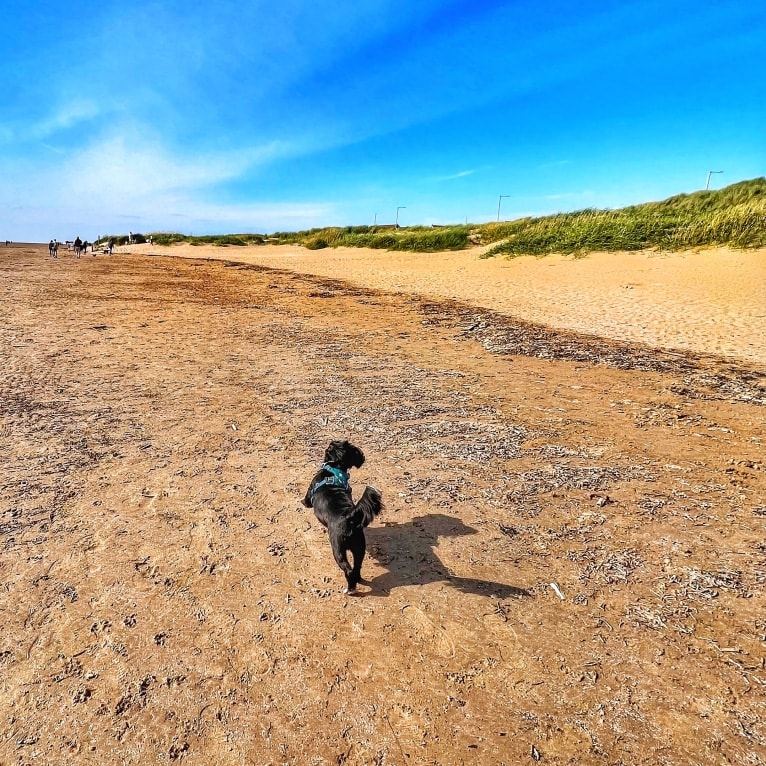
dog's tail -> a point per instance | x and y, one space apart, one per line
369 506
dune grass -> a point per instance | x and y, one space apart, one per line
734 216
167 238
413 238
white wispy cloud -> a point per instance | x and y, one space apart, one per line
129 167
128 176
66 116
455 176
46 126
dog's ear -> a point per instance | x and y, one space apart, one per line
334 452
354 456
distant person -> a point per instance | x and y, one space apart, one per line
50 249
130 237
110 245
78 247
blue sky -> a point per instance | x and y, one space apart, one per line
221 117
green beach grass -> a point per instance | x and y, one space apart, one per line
734 216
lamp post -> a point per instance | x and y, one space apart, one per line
401 207
710 173
499 200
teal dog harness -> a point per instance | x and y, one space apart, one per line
337 478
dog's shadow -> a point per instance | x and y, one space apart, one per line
407 552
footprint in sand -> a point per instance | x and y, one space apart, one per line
429 632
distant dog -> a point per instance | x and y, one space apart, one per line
329 494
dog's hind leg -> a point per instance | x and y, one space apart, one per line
341 559
358 547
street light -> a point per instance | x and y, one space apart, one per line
499 200
401 207
710 173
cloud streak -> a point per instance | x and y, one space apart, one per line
128 176
455 176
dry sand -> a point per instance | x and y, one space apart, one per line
570 567
713 301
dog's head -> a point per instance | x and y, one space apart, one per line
344 454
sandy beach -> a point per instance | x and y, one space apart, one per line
710 302
569 568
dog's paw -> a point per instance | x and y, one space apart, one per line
351 592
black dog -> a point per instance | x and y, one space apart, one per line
329 494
